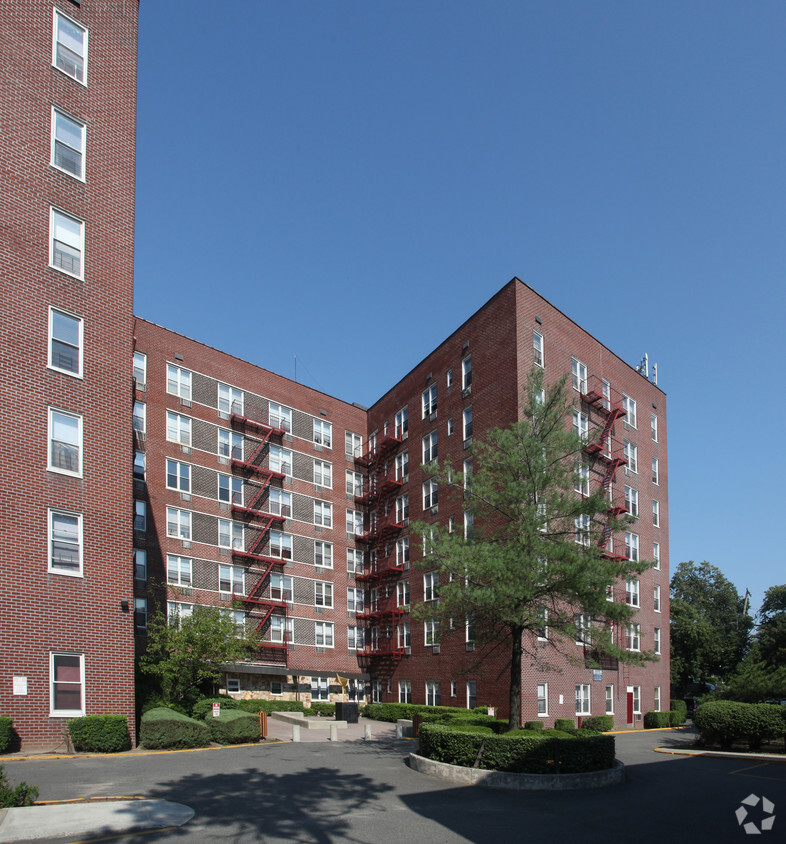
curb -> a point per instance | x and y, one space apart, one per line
724 754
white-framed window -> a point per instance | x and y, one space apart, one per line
279 503
140 614
65 543
323 474
319 688
281 460
65 442
66 340
581 425
140 564
323 634
231 534
281 629
178 612
636 692
405 691
178 382
355 560
178 428
66 685
633 637
402 593
231 579
178 523
632 546
430 586
433 694
632 456
655 473
403 635
323 554
431 632
230 489
280 417
466 373
402 509
582 699
610 699
632 592
654 427
583 623
629 406
233 685
430 451
69 47
230 400
280 545
353 444
656 698
356 638
68 144
543 624
323 514
656 513
466 418
656 640
579 371
469 628
178 570
539 357
450 426
140 417
430 494
354 600
67 243
230 444
543 698
582 526
140 517
632 501
656 598
469 525
472 694
582 479
355 522
402 466
281 587
354 483
402 423
402 551
323 433
429 400
656 555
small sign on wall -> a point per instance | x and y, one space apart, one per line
216 710
597 674
20 685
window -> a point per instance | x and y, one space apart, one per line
319 688
280 417
281 460
233 684
69 47
656 555
65 442
65 543
610 700
632 546
467 420
355 561
654 427
582 525
402 423
323 474
579 375
178 382
633 637
140 516
230 535
656 640
655 470
582 699
402 593
354 483
140 564
466 373
636 692
429 400
543 698
178 523
583 623
402 509
656 698
68 144
472 694
355 522
430 586
323 514
177 612
67 238
632 592
230 400
140 614
632 501
402 552
65 342
178 570
431 630
656 513
537 349
405 691
430 447
582 479
430 494
280 545
323 433
323 554
469 525
280 503
469 628
402 466
139 416
543 629
629 406
354 600
140 369
433 695
66 684
281 629
178 428
450 426
632 456
280 587
231 579
230 444
353 444
403 635
449 378
656 598
230 489
581 425
323 635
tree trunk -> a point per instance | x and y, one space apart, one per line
514 718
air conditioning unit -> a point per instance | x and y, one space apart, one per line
407 651
435 649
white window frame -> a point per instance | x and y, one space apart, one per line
323 554
281 629
355 599
609 707
281 544
323 514
140 565
581 484
182 474
431 633
177 612
430 494
179 571
354 522
230 444
139 417
579 373
402 423
231 534
140 516
583 699
430 586
280 416
538 351
655 512
632 592
140 614
57 220
655 471
429 400
636 691
60 115
402 551
631 453
654 427
178 428
178 523
629 406
632 546
323 594
324 634
405 691
60 16
281 588
542 697
356 637
433 693
656 556
178 382
656 598
466 372
633 637
79 543
656 640
279 502
280 460
230 489
54 412
402 466
66 713
230 400
355 561
656 699
323 474
466 419
632 501
79 347
430 447
323 433
402 509
236 579
581 425
353 444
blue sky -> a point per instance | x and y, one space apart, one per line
313 177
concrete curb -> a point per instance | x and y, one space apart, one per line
724 754
520 782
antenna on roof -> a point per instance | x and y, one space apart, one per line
644 369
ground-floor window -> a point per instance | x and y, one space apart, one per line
376 691
472 694
405 691
656 705
543 698
319 688
609 700
433 695
582 699
233 684
67 684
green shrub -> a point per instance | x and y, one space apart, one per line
160 703
22 795
395 711
724 721
681 708
205 706
318 708
233 726
6 733
564 724
533 725
599 723
654 720
676 718
100 733
259 705
764 722
164 727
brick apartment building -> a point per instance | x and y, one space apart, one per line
243 489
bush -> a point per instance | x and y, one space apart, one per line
681 708
676 718
233 726
654 720
22 795
6 733
564 724
395 711
533 725
724 721
318 708
205 706
598 723
259 705
100 733
160 703
164 727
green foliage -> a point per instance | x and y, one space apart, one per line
319 708
100 733
205 706
600 723
709 626
22 795
6 733
564 724
676 718
724 721
680 710
164 727
259 705
533 725
755 679
393 712
654 720
233 726
771 635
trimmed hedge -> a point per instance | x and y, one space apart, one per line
676 718
654 720
681 709
259 705
394 711
164 727
100 733
599 723
564 724
533 725
6 733
205 706
534 754
724 721
318 708
233 726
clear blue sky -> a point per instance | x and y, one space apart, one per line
313 177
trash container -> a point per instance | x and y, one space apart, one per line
348 711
